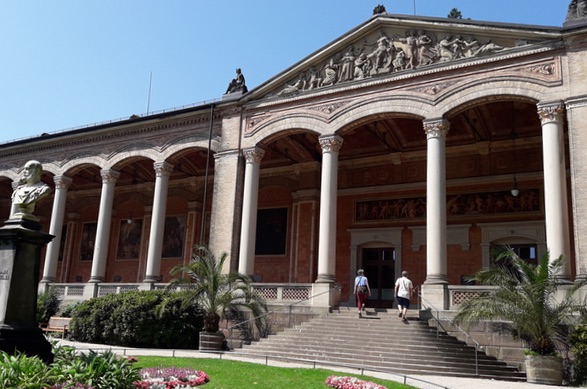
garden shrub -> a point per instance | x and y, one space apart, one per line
82 371
47 305
578 343
138 319
67 310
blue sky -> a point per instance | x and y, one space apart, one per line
67 64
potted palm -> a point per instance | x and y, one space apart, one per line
530 298
217 293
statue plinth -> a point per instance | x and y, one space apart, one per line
21 242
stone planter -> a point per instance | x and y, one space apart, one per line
211 341
545 370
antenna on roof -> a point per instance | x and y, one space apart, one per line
414 7
149 96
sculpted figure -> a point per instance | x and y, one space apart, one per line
382 56
361 67
30 190
297 86
425 54
347 69
330 73
411 52
237 84
315 80
445 49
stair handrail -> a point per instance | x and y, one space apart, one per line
337 287
432 308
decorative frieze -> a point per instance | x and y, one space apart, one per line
487 204
391 52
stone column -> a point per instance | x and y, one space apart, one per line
102 246
52 254
246 263
328 198
436 267
576 116
153 270
555 184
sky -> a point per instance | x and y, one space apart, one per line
67 64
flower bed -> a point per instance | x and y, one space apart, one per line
171 378
351 383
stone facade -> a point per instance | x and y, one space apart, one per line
395 147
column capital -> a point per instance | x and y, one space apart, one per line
109 176
162 168
62 182
254 154
330 143
550 112
436 128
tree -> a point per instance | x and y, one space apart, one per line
527 296
218 293
455 14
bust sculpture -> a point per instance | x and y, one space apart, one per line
29 192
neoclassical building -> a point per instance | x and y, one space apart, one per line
409 143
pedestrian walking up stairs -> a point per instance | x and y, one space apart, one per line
380 340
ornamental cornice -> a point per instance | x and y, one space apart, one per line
109 137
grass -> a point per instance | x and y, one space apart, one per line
226 374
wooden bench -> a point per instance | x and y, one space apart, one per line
57 324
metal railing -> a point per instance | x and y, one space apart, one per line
424 304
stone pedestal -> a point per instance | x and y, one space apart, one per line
21 242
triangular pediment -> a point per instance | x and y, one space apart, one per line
388 46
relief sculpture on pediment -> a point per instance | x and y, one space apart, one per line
386 53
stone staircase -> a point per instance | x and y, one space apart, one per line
380 340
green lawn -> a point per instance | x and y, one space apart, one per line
225 374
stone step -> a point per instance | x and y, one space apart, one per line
385 343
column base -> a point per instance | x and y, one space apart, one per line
96 279
325 278
435 296
152 279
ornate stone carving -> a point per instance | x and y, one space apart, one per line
328 108
253 155
109 176
436 129
162 168
385 55
62 182
550 113
434 89
577 12
331 143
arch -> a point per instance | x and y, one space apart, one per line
404 106
511 232
487 90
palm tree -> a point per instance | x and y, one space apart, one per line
218 293
527 296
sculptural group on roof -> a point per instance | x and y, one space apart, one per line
387 55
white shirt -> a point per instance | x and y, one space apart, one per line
403 285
